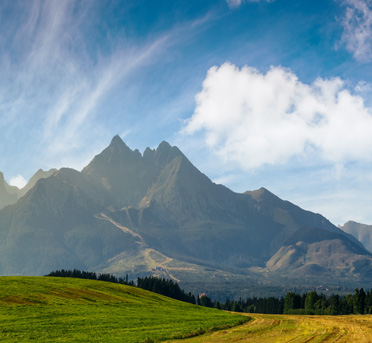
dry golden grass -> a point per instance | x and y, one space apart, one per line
290 328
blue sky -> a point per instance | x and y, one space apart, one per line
256 93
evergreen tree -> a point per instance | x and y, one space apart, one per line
310 300
359 301
292 301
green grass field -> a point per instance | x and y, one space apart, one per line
46 309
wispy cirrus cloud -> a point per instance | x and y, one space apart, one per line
237 3
255 119
357 24
55 74
67 74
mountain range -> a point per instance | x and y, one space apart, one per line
157 214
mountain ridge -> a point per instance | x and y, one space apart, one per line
11 194
362 232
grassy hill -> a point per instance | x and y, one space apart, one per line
47 309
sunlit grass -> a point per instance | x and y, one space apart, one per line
47 309
265 328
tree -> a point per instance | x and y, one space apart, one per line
205 301
292 301
359 299
236 307
310 301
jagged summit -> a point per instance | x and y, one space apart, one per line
164 145
117 146
262 194
117 142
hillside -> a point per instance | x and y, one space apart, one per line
60 309
156 214
10 194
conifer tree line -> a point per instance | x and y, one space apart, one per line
157 285
308 303
165 287
91 276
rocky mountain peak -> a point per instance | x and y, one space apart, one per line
117 141
117 145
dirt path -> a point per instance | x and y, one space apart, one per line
151 262
123 228
156 262
296 329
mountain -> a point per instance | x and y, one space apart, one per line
40 174
156 213
10 194
362 232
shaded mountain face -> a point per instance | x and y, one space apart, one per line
10 194
152 213
362 232
126 174
40 174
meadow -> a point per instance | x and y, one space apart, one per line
48 309
265 328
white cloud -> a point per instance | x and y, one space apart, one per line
18 181
357 24
237 3
255 119
234 3
363 87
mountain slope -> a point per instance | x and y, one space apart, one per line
55 226
40 174
362 232
10 194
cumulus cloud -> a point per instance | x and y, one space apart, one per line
18 181
357 24
256 118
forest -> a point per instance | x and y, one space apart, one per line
310 303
